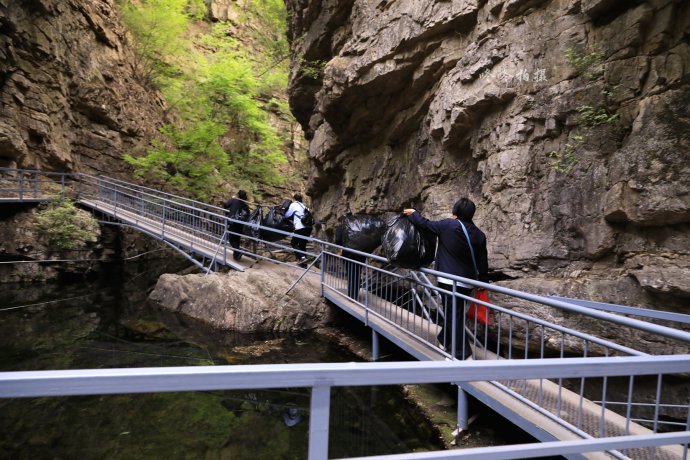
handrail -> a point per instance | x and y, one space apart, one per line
36 171
23 384
627 310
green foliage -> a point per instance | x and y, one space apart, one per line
563 161
194 160
218 88
269 20
591 117
158 27
587 64
66 227
312 69
610 91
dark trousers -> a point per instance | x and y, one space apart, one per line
353 272
300 244
234 240
445 335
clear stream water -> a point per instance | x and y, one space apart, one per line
107 324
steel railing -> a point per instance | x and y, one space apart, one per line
322 377
523 326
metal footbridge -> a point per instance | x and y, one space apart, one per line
547 364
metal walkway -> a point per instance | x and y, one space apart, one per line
403 307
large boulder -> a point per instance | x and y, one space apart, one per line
250 301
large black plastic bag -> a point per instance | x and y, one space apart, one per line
407 246
252 226
275 218
362 232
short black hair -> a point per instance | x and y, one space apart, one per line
297 196
242 195
464 208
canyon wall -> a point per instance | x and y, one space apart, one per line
70 96
71 100
566 121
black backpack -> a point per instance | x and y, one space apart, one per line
307 218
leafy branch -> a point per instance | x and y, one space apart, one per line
563 161
586 64
591 117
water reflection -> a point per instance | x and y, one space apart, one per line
109 325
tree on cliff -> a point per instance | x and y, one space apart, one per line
220 90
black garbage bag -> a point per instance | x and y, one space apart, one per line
407 246
362 232
275 218
285 205
251 228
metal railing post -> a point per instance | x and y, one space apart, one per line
454 322
142 207
21 185
115 201
79 186
163 220
318 422
225 242
322 275
463 410
366 283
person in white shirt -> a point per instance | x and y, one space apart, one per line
298 243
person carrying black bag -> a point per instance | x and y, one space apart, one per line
297 211
462 252
352 269
236 208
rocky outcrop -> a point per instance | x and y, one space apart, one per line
566 121
69 96
250 301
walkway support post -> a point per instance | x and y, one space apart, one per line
463 410
374 345
318 422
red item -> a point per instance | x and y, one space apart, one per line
478 311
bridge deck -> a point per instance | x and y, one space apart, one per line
192 241
544 393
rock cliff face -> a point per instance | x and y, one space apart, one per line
69 97
566 121
69 101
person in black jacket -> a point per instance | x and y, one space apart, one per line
236 208
454 256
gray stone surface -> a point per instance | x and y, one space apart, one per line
250 301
